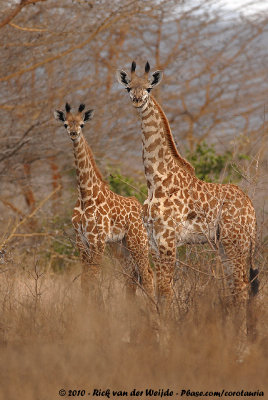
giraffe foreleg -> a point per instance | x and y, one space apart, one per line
164 267
138 252
131 272
163 249
137 247
91 256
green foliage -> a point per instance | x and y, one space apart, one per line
210 166
127 186
63 247
61 251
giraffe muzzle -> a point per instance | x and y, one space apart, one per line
138 102
73 135
137 99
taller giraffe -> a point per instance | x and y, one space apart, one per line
182 209
101 216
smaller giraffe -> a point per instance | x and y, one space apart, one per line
101 216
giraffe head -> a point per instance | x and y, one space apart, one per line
73 122
139 88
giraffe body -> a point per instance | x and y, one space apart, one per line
101 216
182 209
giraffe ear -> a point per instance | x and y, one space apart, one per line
88 115
156 78
59 115
122 77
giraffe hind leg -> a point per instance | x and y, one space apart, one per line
235 264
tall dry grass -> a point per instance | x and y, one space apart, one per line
49 340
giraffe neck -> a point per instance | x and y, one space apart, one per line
89 177
160 155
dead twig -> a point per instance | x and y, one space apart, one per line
27 29
32 234
13 208
20 223
128 184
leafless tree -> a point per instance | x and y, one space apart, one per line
214 89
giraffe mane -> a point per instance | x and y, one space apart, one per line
170 141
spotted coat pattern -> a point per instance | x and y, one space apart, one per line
182 209
101 216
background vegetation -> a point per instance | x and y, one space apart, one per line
214 93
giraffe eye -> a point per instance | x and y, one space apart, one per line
81 126
149 89
128 89
65 125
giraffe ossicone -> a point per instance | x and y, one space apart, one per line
101 216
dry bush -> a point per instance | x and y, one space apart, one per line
50 340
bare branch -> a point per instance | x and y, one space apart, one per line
112 19
16 227
17 10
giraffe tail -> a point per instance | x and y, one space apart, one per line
254 281
253 273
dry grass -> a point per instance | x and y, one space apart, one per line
50 341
